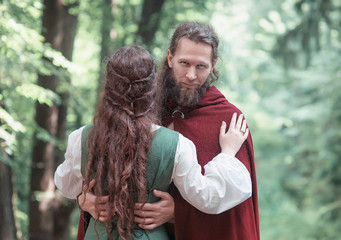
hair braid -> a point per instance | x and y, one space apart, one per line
121 135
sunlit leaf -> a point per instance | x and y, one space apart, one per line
35 92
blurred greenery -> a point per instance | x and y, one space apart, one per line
279 63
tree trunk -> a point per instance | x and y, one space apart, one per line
149 21
106 40
63 207
58 30
7 221
42 169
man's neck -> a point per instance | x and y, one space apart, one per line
171 126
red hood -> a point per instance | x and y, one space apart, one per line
211 97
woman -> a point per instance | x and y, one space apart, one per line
128 155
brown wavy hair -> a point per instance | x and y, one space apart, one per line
121 135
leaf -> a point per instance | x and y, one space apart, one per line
8 119
42 95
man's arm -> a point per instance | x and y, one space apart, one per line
152 215
87 202
148 216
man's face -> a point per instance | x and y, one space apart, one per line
191 66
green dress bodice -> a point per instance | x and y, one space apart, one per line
159 172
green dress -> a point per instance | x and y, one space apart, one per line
159 172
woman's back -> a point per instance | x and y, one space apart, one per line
119 140
159 173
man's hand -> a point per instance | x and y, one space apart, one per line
152 215
89 204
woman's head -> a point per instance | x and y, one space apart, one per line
120 138
131 82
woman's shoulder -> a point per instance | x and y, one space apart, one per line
75 134
165 130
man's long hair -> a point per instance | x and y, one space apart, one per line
194 31
120 138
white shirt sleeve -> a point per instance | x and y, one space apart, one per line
68 177
225 184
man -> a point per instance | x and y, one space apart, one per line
196 109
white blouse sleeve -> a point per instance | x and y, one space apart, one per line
68 177
225 184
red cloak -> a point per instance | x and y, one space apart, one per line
201 124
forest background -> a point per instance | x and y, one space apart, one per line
279 63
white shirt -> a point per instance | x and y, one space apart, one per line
225 184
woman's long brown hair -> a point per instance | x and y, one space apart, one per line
121 135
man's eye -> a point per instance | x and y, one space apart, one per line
201 66
184 63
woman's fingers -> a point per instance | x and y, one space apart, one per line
223 128
233 121
243 127
246 134
239 122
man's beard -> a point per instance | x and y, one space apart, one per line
185 96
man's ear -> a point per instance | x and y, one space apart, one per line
213 64
169 58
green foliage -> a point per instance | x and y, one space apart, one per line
290 104
23 54
22 51
299 162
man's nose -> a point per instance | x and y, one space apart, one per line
191 74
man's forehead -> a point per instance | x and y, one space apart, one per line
189 49
186 40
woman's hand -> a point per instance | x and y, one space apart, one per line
231 141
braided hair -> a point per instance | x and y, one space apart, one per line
121 135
